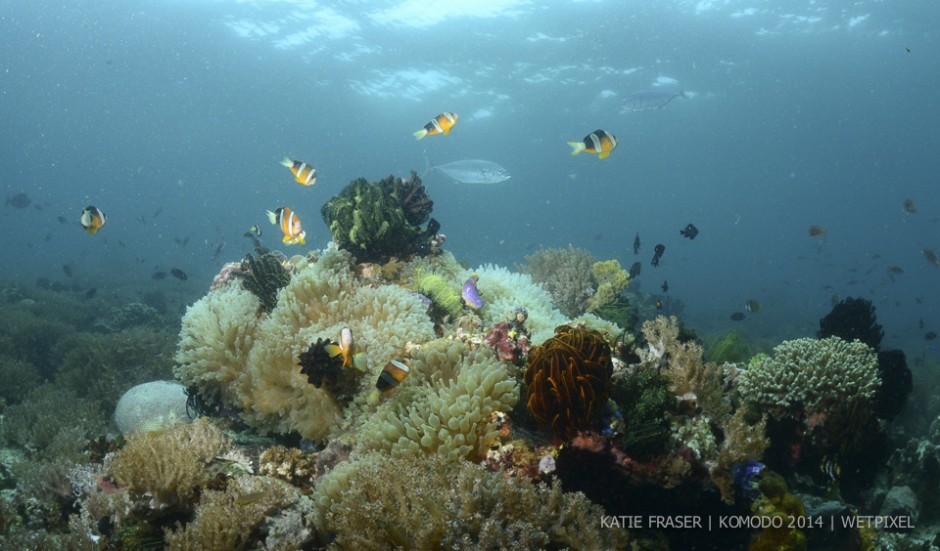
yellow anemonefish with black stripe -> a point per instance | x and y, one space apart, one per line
440 124
390 377
92 219
304 174
289 223
346 348
600 142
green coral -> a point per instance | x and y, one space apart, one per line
264 276
732 347
370 221
611 280
445 297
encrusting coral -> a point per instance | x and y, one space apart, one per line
426 503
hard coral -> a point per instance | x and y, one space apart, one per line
611 279
568 378
567 275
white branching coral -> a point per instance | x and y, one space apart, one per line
811 375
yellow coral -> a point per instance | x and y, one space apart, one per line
611 279
168 464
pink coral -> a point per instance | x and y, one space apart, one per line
226 274
507 342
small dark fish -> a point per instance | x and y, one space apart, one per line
909 206
752 306
181 242
931 257
829 466
19 201
930 335
48 237
433 227
67 270
920 323
657 254
635 270
665 286
62 220
599 237
179 274
737 316
159 276
90 293
690 231
156 212
142 220
218 250
636 244
659 304
896 270
105 526
817 231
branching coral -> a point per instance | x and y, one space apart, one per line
568 378
567 275
168 465
425 503
807 376
741 442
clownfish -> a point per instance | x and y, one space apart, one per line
346 349
599 142
304 174
92 219
440 124
289 223
390 377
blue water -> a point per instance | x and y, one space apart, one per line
798 113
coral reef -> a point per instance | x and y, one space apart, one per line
291 465
430 503
567 275
568 379
376 221
445 298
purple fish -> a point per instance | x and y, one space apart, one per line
470 293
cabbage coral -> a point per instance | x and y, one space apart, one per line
807 375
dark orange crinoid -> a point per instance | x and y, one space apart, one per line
568 378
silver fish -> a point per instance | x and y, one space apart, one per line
475 171
648 100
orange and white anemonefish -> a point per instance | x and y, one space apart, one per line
289 223
599 142
390 377
440 124
92 219
346 348
304 174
